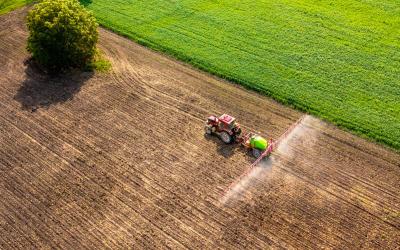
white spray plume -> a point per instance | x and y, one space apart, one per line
302 132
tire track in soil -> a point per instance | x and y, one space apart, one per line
37 191
80 175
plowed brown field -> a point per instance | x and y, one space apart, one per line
120 160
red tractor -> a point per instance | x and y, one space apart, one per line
225 127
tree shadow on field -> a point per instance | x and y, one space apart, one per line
41 90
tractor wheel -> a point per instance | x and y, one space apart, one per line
208 130
225 137
256 152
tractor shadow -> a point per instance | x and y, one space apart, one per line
226 150
41 90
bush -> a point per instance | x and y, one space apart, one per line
62 34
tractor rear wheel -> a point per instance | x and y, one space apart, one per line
256 152
225 137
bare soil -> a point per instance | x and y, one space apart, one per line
118 160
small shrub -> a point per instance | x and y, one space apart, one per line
99 63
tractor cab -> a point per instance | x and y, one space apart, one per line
231 124
227 121
225 126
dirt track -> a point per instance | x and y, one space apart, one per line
120 160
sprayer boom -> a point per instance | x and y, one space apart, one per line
274 144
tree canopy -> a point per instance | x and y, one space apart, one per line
63 34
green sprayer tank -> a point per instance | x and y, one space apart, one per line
258 142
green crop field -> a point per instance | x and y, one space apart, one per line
338 60
8 5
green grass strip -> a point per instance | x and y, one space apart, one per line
9 5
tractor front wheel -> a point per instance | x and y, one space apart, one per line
208 130
225 137
256 152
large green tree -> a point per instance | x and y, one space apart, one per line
63 34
